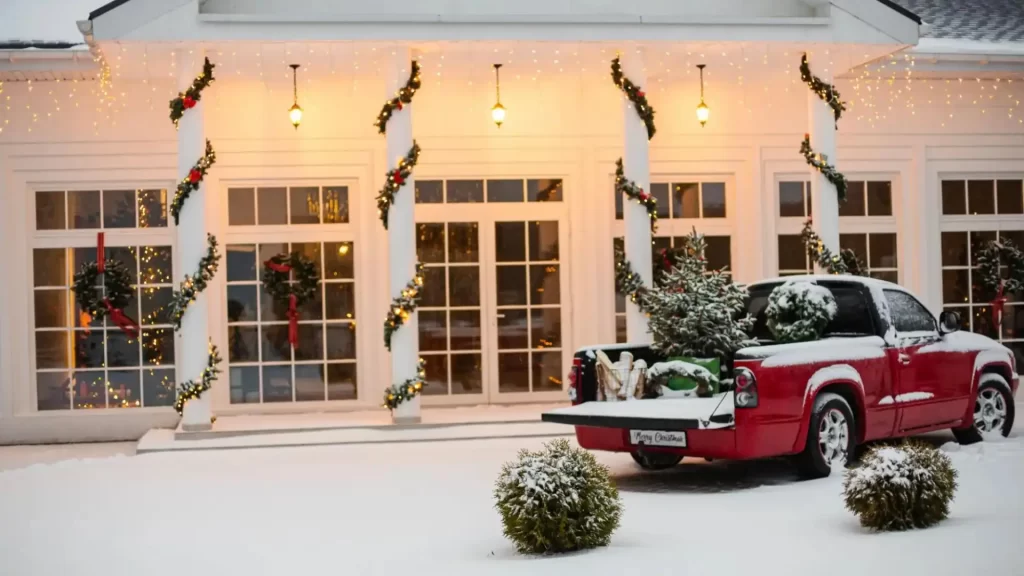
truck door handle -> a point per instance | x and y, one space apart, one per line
904 359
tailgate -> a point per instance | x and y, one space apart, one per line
653 414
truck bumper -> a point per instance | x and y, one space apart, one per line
735 443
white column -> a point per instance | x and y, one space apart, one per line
825 202
194 335
635 160
402 236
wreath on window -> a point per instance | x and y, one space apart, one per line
996 257
799 311
276 272
117 284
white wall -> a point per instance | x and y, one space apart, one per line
568 125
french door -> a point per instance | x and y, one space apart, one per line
493 320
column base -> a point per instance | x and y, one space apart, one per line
202 427
401 420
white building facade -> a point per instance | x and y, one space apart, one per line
515 226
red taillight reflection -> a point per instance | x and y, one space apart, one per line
575 381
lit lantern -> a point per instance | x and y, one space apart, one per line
295 112
703 112
498 111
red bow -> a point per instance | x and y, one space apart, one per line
398 178
194 176
997 306
188 101
640 93
277 267
399 105
117 316
293 321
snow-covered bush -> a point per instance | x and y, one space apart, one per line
901 487
799 311
557 499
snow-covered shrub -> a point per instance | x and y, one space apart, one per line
799 311
901 487
557 499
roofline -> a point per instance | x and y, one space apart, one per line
23 45
888 3
113 4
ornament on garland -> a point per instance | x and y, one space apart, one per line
630 189
193 284
627 281
407 390
190 183
275 282
192 389
799 311
846 262
820 162
996 257
395 180
827 92
117 284
403 305
403 97
635 95
189 98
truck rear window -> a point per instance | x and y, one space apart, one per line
854 317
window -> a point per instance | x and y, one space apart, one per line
691 200
908 315
983 197
281 205
489 191
81 362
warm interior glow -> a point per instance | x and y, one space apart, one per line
498 114
295 114
703 113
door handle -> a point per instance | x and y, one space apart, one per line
904 359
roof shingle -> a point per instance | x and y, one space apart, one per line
981 20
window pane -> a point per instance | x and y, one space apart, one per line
954 200
341 382
243 344
52 349
544 190
983 322
464 286
89 389
467 371
465 330
429 192
979 240
241 262
514 372
436 374
242 303
546 328
512 327
463 244
907 313
309 383
53 391
879 198
51 307
245 384
241 207
88 348
335 204
49 267
152 208
126 256
660 193
433 327
341 300
954 286
124 389
791 199
856 242
277 383
543 241
883 251
686 201
49 210
339 260
791 253
119 208
434 287
544 284
341 341
267 251
158 347
155 263
713 199
430 242
547 371
158 387
121 350
854 317
84 209
1011 197
305 205
954 249
981 197
311 342
854 205
460 191
1013 322
275 345
504 190
273 207
510 239
718 252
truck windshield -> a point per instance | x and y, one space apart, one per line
854 317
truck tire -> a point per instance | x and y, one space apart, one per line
993 410
656 460
831 435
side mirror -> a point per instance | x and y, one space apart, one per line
949 322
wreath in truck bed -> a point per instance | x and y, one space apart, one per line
799 311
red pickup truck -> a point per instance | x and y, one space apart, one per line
884 368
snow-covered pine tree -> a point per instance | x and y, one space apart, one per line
696 312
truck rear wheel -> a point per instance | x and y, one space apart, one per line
656 460
831 436
993 411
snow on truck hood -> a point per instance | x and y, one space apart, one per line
825 350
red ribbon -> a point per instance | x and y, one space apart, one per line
101 258
117 316
282 268
293 321
997 307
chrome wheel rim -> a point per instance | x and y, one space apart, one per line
989 410
833 436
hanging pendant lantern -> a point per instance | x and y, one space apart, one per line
295 112
703 112
498 111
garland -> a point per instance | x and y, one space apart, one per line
827 92
403 305
820 162
635 95
117 283
395 180
407 390
189 98
192 390
190 183
193 284
799 311
846 262
404 96
304 289
627 281
630 189
996 255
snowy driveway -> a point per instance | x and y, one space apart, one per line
427 509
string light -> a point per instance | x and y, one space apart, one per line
403 305
395 180
396 395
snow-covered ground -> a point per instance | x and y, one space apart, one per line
427 509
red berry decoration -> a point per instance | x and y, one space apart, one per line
194 176
640 93
398 178
188 101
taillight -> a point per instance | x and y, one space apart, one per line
576 381
746 388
